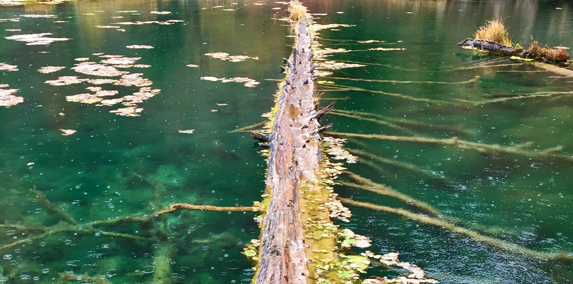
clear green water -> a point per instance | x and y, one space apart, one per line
91 174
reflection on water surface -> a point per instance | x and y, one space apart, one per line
393 67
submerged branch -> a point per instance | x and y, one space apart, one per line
368 185
66 227
424 100
524 96
335 99
377 121
479 65
88 228
173 208
395 163
462 231
397 121
26 240
52 208
466 145
250 127
473 80
23 227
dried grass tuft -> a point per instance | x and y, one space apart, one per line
494 31
297 11
558 54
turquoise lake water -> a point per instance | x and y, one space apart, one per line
178 147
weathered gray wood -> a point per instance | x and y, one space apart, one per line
492 46
293 159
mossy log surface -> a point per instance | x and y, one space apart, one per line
293 160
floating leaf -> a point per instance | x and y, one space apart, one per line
104 93
110 102
387 49
250 252
50 69
8 67
107 27
134 79
67 132
36 39
84 98
362 241
209 78
188 131
335 65
247 82
44 16
232 58
7 97
160 12
90 68
371 41
65 81
127 111
139 47
101 81
119 61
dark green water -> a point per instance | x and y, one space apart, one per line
94 174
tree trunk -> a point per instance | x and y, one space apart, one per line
293 160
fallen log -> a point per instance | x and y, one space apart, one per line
535 52
492 46
293 160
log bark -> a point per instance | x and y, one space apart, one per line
491 46
543 54
293 159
